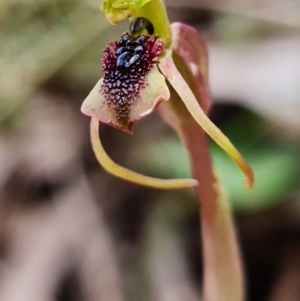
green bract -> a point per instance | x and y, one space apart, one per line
117 11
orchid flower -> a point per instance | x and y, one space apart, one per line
140 74
163 66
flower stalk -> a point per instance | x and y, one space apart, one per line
223 278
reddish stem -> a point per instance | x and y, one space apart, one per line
223 276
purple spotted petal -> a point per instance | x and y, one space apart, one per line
132 87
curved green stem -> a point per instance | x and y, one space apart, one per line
130 175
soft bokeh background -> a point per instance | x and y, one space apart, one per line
70 231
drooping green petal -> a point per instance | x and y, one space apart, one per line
154 92
127 174
169 69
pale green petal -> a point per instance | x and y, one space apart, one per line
127 174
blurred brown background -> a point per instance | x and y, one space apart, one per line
70 231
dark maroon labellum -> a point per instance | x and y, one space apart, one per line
125 65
